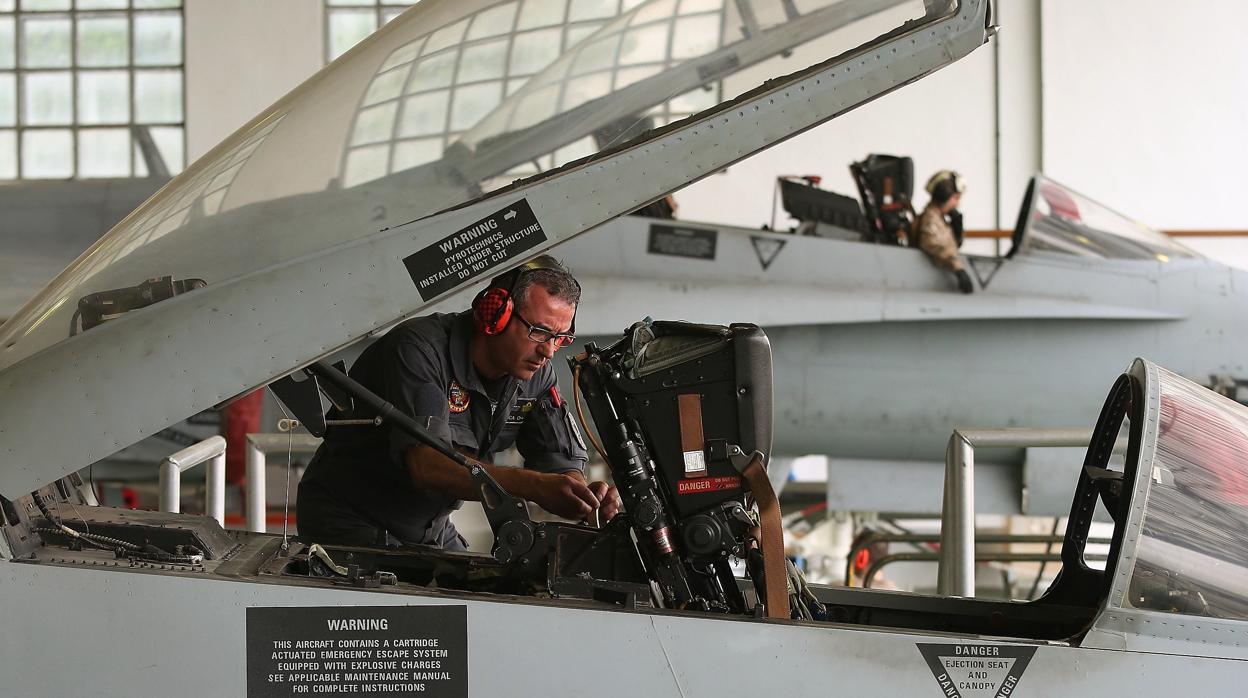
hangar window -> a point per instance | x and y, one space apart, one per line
349 21
84 84
515 63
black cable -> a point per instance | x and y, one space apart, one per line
43 508
61 528
80 536
114 541
96 538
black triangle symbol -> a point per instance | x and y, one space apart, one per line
766 249
935 655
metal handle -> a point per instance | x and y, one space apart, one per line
211 449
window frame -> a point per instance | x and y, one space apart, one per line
75 125
663 113
377 6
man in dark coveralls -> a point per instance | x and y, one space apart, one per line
481 380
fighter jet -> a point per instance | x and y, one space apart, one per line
853 315
280 247
878 358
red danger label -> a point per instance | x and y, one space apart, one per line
708 484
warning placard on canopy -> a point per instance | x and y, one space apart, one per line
358 650
490 242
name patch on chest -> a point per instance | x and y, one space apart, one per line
457 398
520 411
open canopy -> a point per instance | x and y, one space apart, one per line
384 183
447 101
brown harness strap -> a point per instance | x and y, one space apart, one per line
692 441
775 576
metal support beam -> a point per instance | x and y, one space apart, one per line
211 449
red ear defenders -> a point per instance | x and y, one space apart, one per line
492 308
492 311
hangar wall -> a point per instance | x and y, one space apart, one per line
1144 104
1146 146
241 56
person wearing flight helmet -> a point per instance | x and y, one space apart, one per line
940 226
480 379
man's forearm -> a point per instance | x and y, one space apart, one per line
432 470
569 497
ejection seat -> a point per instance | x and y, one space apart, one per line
885 186
804 200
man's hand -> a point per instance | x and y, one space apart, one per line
608 500
965 284
565 494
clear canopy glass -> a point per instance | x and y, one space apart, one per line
444 104
1061 220
1192 557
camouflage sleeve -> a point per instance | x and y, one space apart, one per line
937 241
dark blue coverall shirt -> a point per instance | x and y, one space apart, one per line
357 489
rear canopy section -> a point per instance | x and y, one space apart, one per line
1177 579
389 180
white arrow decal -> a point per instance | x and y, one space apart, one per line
509 215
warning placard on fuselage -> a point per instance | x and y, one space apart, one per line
490 242
362 650
976 670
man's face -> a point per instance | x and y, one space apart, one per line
514 352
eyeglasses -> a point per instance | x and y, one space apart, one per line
541 335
